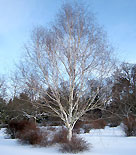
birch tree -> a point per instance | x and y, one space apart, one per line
72 51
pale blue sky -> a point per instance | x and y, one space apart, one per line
18 17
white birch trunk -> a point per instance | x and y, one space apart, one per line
69 134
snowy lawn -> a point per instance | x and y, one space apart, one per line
108 141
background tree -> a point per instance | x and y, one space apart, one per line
3 90
3 97
21 107
124 90
22 99
103 98
74 50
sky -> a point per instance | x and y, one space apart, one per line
18 17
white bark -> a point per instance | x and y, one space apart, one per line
72 51
70 133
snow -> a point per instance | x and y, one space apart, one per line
108 141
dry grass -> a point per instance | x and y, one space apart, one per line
99 124
74 146
32 136
129 126
60 136
28 133
15 126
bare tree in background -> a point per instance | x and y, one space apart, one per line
73 51
3 90
3 97
14 86
124 90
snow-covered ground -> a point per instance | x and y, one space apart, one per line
108 141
